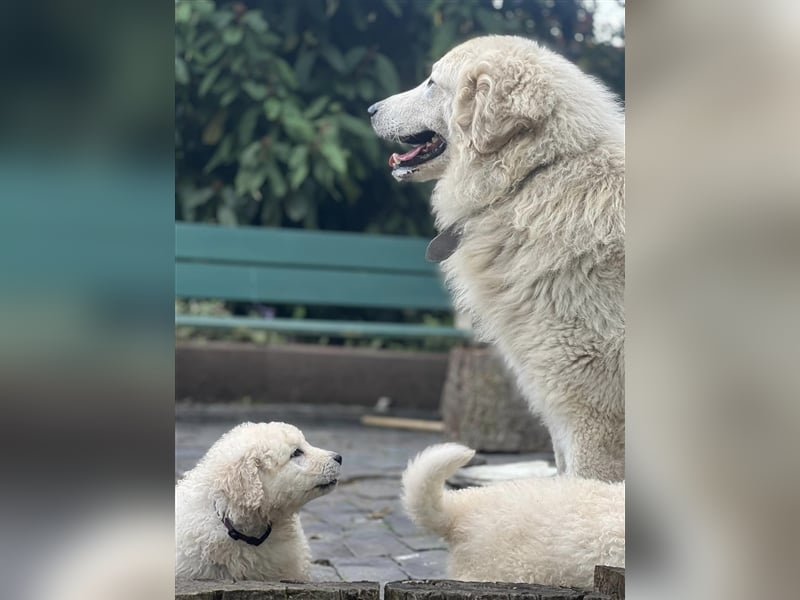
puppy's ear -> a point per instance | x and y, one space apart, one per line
242 485
498 97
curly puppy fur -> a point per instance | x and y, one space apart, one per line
550 531
533 173
254 476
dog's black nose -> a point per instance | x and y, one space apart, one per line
338 458
373 109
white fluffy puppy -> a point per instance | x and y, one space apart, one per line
550 531
236 511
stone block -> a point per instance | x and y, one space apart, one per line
269 590
610 581
464 590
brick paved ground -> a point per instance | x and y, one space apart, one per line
359 531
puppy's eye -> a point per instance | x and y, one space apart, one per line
297 453
430 81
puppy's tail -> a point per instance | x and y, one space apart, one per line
424 497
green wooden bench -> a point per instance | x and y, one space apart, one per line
286 266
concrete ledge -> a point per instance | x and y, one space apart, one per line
294 373
264 590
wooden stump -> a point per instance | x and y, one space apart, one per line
482 407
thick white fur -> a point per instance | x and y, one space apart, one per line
541 264
250 476
550 531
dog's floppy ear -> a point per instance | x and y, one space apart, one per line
498 97
241 483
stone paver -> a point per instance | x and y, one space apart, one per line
423 565
369 568
359 531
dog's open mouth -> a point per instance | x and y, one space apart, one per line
427 146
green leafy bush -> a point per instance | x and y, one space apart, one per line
271 97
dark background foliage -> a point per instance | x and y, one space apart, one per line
271 97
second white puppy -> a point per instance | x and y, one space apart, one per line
550 531
236 512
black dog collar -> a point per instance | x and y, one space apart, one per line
248 539
444 244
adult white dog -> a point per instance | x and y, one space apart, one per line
549 530
236 511
529 154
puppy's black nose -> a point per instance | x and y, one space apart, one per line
338 458
373 109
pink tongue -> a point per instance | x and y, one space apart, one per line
411 153
395 158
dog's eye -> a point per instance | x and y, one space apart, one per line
297 453
430 81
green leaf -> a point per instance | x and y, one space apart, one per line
285 72
334 58
393 7
239 65
208 80
335 156
298 157
354 56
316 107
247 124
323 174
356 126
228 97
272 108
183 11
232 35
281 150
297 207
249 181
213 53
296 125
386 75
275 180
298 176
181 71
223 154
257 91
249 157
226 215
221 19
366 90
192 197
303 66
212 132
255 21
203 7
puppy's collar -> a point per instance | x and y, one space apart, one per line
248 539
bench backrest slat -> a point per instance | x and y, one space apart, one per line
288 247
315 268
